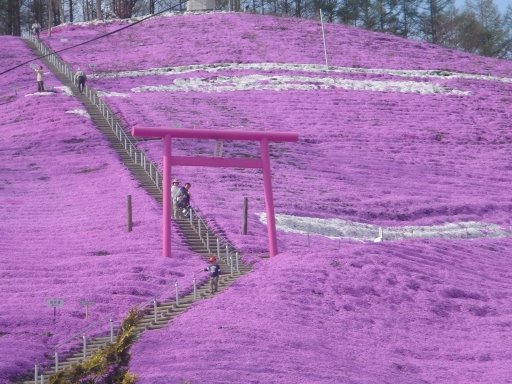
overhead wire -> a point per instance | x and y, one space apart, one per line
97 37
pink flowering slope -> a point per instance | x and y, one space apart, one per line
63 224
386 157
326 311
418 312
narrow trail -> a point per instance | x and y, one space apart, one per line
158 316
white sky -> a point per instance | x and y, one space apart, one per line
501 4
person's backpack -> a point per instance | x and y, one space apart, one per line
182 197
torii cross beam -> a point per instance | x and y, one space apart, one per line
260 163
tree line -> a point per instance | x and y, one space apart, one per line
477 27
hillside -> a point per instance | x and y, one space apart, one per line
397 134
63 224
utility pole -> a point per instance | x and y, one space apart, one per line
49 18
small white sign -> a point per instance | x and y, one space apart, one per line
55 302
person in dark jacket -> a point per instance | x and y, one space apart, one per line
183 199
214 270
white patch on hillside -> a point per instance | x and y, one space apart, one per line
301 83
344 229
112 94
318 68
65 90
80 112
135 18
40 94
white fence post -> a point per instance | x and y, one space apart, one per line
154 309
177 293
111 331
85 346
56 361
36 374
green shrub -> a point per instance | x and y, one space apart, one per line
108 365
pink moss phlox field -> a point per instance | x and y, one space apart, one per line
421 312
328 311
389 158
63 229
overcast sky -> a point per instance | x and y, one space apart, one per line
501 4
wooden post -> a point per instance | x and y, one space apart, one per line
245 211
129 207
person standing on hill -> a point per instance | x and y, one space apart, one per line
174 191
214 270
36 28
40 78
80 79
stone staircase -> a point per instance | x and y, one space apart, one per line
165 310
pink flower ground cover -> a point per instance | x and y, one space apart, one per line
417 312
389 157
63 224
432 311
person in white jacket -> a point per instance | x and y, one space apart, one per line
36 28
175 187
80 79
40 78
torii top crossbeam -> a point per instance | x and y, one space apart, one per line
183 133
263 162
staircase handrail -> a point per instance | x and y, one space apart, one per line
138 156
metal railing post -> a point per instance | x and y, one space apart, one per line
177 293
56 361
36 374
231 265
207 240
154 309
84 346
218 248
111 331
195 287
237 261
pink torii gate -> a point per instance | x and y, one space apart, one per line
263 162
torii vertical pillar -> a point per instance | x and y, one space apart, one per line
166 196
269 200
259 163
